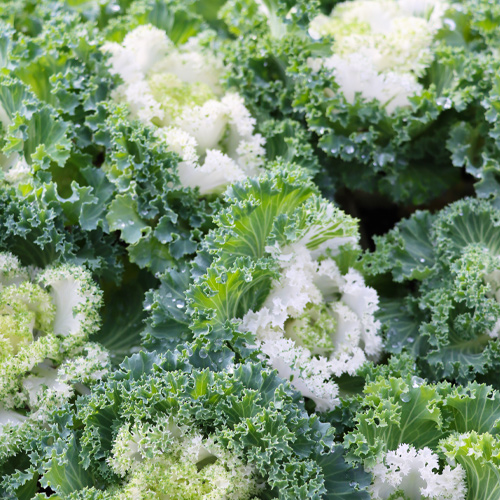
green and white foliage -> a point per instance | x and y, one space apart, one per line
317 321
278 274
162 457
53 84
164 425
46 319
178 89
262 41
428 441
53 79
406 471
449 322
161 221
380 47
265 37
396 81
171 146
77 152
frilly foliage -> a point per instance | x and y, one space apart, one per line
237 259
448 321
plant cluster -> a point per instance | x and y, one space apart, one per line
249 249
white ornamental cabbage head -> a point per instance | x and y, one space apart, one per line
316 323
355 74
381 47
162 460
45 320
178 90
415 475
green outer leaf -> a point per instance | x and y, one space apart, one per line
401 326
64 473
343 481
397 411
465 222
168 322
479 455
475 407
123 314
123 216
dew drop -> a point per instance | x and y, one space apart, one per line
417 382
405 397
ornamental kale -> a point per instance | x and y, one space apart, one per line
249 249
447 315
46 357
178 89
400 80
282 279
408 427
